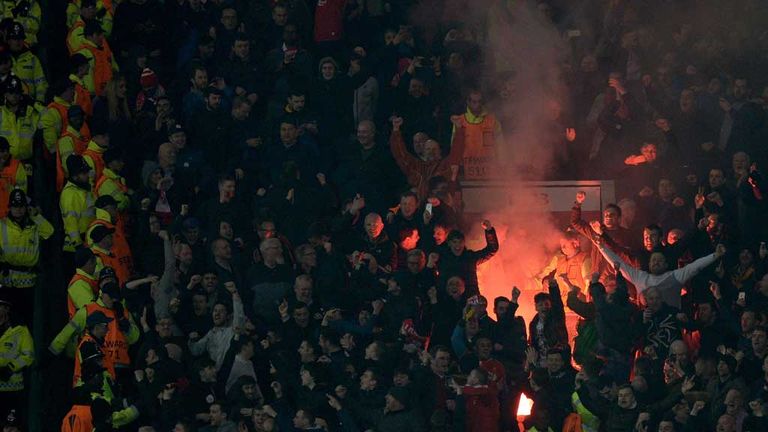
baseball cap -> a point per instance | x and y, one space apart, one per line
96 318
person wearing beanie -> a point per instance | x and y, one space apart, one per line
12 175
96 49
151 91
94 153
71 142
83 288
26 65
22 230
18 119
79 68
76 204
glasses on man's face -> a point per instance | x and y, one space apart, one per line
413 263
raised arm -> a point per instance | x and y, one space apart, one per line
685 274
630 273
404 159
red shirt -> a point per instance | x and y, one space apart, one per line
329 20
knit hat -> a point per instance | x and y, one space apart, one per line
107 273
113 154
148 78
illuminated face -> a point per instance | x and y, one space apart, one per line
626 398
651 239
440 234
569 247
455 288
242 49
611 218
673 236
373 226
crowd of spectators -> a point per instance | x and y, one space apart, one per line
232 215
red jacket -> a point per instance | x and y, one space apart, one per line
329 20
482 404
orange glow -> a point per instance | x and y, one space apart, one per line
525 406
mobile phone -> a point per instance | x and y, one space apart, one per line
429 208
